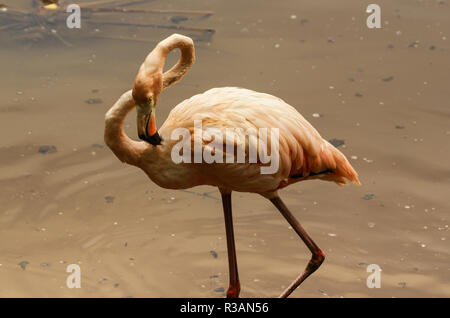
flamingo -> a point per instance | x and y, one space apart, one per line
303 153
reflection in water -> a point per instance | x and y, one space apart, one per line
116 20
47 4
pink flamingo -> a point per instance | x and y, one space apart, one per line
303 153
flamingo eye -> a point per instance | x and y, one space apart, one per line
151 101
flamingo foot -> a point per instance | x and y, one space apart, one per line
233 290
316 260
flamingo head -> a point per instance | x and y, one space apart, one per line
146 90
150 82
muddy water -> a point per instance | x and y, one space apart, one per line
77 204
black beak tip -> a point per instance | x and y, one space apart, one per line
154 139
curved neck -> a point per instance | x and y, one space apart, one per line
126 149
186 46
154 63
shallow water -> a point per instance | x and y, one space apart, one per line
80 205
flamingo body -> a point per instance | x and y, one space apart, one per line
302 149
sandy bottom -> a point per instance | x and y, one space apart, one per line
383 92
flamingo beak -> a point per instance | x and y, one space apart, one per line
146 124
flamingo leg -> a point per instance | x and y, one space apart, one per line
234 287
317 255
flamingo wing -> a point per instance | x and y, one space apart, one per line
303 153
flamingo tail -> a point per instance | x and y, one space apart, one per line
342 169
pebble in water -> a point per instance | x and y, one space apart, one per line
170 200
109 199
93 101
47 149
362 263
304 20
337 142
213 253
414 44
23 264
178 18
387 79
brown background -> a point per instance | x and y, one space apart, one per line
151 242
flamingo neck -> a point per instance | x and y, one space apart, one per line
126 149
154 63
186 46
